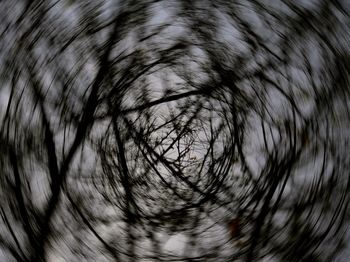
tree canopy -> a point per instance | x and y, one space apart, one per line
174 130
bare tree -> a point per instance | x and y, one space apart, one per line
128 124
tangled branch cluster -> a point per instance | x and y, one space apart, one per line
128 124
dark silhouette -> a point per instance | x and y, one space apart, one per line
128 127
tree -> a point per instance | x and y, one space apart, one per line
222 123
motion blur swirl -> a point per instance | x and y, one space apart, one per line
174 130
